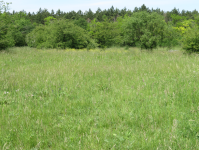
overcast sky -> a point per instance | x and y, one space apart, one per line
69 5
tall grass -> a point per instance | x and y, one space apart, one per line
110 99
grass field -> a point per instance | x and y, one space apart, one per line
108 99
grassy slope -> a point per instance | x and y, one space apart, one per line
98 100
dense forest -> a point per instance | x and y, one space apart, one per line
141 27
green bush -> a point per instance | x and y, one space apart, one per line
6 38
81 22
145 30
105 33
21 28
190 41
59 34
170 37
13 30
36 37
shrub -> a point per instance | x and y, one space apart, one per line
81 22
170 37
190 41
13 30
59 34
36 37
6 38
105 33
143 29
21 28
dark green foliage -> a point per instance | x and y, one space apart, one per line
191 40
144 30
111 13
6 38
21 28
196 19
170 37
41 15
176 19
144 8
89 14
36 37
81 23
59 34
13 29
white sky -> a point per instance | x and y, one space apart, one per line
69 5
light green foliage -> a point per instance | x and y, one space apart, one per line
183 26
59 34
188 31
185 30
112 99
144 30
49 19
105 33
190 40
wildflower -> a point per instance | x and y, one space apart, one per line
6 92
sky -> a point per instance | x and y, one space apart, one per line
83 5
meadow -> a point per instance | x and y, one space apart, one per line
112 98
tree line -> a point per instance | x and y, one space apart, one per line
111 13
142 27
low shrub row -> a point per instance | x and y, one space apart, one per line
142 29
